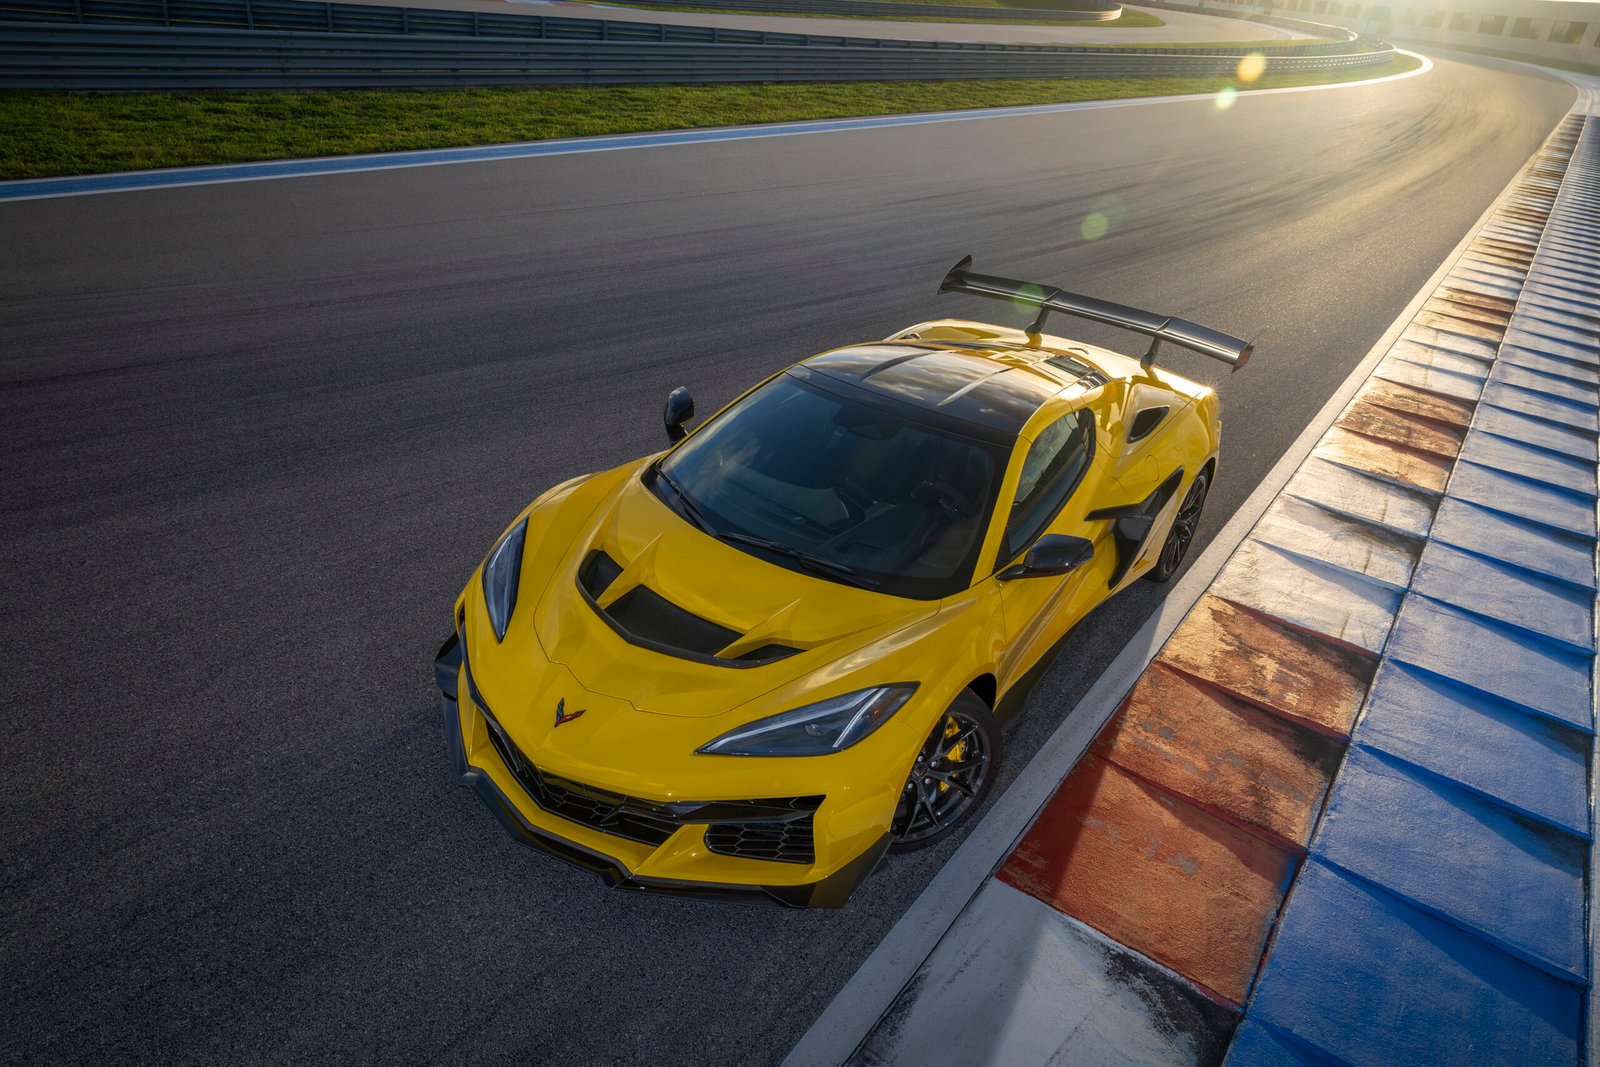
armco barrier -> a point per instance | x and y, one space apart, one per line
1085 10
90 57
1319 29
331 17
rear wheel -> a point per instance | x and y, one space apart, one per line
1184 526
953 772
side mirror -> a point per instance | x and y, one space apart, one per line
1052 554
679 410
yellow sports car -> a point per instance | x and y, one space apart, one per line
749 666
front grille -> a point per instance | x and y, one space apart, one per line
612 813
776 828
774 832
784 842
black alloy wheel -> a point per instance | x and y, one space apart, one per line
952 774
1183 529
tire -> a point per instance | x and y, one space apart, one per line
1184 524
938 797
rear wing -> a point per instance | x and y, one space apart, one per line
1191 335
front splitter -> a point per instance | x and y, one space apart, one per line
830 892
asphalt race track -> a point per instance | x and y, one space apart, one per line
256 435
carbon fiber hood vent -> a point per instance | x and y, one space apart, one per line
645 618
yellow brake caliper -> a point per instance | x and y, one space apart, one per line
954 754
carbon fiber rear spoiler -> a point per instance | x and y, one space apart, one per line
1181 332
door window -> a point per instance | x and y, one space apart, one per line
1052 469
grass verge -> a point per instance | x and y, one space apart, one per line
51 134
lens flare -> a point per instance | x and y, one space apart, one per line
1252 67
1225 97
1028 295
1105 214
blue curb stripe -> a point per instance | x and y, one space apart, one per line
1530 461
1462 858
1368 979
1517 541
1495 658
1260 1045
1525 498
1513 598
1530 371
1496 749
1519 424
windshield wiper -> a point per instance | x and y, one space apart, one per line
805 559
689 508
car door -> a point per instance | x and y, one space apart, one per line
1056 465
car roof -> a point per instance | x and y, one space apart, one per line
992 386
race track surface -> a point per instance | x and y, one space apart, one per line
256 435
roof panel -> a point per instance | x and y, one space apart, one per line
992 388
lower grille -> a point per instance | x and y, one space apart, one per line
613 813
784 842
777 828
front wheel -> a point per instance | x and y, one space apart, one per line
1184 524
952 774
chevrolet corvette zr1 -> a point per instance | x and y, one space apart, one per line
751 665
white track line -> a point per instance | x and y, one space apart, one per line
128 181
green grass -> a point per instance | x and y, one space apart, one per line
44 134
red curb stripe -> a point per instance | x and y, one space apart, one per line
1258 770
1183 887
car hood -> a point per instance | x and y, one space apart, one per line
652 635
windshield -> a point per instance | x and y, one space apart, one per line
839 488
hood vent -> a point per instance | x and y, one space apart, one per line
645 618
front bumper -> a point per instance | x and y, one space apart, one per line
449 667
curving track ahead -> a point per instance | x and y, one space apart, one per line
256 434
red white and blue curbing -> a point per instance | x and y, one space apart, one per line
1345 815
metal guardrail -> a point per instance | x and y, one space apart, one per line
1084 11
36 55
275 14
1320 29
334 17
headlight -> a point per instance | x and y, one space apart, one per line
816 729
500 573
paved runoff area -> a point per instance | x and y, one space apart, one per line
1344 816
